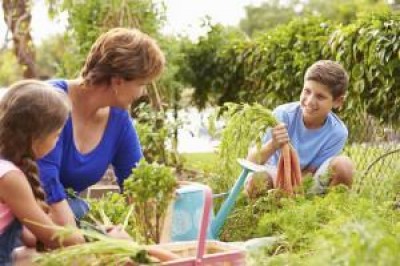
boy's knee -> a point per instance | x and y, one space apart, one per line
258 183
342 171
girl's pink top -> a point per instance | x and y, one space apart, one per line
6 216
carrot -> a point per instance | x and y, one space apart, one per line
292 167
289 172
294 174
162 254
295 166
279 176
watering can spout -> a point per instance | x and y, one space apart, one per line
228 204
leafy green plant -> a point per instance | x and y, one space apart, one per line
240 224
368 48
341 228
245 125
362 242
149 189
300 219
103 251
155 131
112 209
152 132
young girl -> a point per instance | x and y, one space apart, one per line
32 115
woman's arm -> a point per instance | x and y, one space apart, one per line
16 192
28 238
128 150
49 168
61 213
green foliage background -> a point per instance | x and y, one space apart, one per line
88 19
272 13
270 69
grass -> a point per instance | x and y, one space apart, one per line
334 229
360 226
204 162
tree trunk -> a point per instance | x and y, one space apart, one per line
17 15
154 96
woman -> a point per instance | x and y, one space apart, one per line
99 131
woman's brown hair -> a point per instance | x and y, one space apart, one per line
126 53
30 110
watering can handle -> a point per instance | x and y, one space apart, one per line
205 219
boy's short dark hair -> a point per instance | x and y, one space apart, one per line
330 74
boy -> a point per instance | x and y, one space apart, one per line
316 133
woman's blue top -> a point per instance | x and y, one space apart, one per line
65 167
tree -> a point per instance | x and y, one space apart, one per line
17 15
344 11
88 19
266 16
204 71
10 70
49 56
276 12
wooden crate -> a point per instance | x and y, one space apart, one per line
216 254
98 191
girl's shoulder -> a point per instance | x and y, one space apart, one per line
7 166
59 83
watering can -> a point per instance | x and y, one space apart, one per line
189 203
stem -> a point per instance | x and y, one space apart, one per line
157 223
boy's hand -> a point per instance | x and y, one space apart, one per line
280 136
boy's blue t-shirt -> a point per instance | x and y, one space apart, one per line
65 167
313 146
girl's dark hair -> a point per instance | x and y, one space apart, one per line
30 110
125 53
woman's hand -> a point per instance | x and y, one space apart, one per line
280 136
116 231
28 238
23 256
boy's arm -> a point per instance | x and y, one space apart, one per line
261 156
279 137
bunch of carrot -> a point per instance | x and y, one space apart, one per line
289 172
